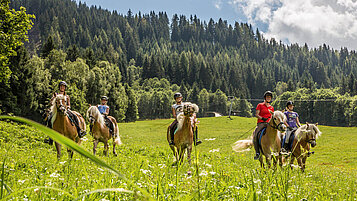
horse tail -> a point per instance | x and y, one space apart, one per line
116 135
242 145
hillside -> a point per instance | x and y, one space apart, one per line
146 159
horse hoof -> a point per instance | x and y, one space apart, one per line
189 173
115 154
174 164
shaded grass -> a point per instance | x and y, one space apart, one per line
146 159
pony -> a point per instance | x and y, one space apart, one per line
183 137
100 131
62 123
270 141
305 136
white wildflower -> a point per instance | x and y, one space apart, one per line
62 163
55 175
214 150
21 181
210 139
212 173
145 171
203 173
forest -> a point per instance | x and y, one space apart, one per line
139 60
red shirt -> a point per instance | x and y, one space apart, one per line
264 111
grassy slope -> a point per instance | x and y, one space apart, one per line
145 158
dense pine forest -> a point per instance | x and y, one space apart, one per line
140 60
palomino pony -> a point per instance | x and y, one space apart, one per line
62 124
101 132
183 137
270 141
305 136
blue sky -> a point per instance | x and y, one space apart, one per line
204 9
315 22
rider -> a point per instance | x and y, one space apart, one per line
292 123
104 110
62 86
263 115
176 109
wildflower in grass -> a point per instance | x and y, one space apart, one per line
210 139
171 185
162 166
21 181
204 173
257 181
54 175
145 171
212 173
214 150
62 163
208 165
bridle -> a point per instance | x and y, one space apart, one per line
275 125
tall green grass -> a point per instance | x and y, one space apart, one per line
145 159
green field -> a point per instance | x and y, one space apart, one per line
29 168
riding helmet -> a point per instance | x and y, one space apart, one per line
104 98
268 93
177 95
289 103
62 83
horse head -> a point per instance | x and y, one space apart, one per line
60 103
277 120
189 109
311 133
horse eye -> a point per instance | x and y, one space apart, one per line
274 118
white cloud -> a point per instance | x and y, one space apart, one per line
218 4
333 22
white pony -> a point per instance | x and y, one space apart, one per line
101 132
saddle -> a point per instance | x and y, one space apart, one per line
109 124
75 121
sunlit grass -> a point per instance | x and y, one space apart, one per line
145 159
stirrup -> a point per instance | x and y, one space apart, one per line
283 151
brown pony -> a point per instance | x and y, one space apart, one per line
100 131
62 124
183 138
270 141
305 136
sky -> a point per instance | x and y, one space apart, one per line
315 22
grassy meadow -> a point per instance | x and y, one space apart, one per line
29 169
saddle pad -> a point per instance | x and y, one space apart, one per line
260 134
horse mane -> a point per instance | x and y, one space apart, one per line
180 117
302 130
53 108
93 111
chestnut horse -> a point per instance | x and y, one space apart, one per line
305 136
270 141
62 124
183 137
100 131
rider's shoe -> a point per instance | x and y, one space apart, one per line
198 142
257 156
49 141
171 143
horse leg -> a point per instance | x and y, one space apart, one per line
95 143
114 152
292 161
70 153
58 148
189 150
304 161
182 153
106 147
268 159
299 160
261 161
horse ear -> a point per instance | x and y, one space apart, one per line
90 105
317 123
54 94
307 124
